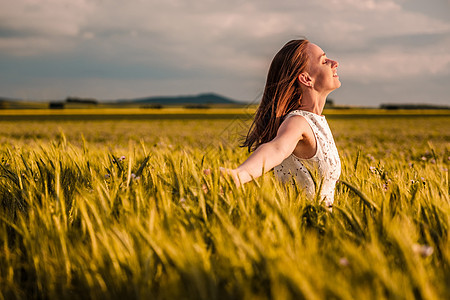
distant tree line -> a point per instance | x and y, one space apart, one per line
75 100
412 106
56 105
3 104
81 100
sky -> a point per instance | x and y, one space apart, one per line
389 51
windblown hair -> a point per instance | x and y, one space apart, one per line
282 93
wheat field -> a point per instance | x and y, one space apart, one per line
137 209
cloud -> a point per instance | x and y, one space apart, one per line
218 44
39 27
393 62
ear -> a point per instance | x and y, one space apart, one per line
305 79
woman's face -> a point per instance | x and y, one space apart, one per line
323 71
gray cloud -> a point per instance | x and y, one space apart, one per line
107 49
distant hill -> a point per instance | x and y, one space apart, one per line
209 98
190 101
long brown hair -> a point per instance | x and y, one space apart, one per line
282 93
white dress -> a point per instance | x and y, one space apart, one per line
324 166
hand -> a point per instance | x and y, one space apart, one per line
233 173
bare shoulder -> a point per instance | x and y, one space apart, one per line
296 124
293 130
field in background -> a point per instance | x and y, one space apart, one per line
246 112
117 204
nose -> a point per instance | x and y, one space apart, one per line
334 64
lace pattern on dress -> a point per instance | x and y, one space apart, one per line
325 165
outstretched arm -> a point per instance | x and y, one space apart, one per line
272 153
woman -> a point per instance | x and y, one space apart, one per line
289 132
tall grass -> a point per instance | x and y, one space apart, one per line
85 218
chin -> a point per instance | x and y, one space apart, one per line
338 85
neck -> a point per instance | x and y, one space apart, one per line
313 102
